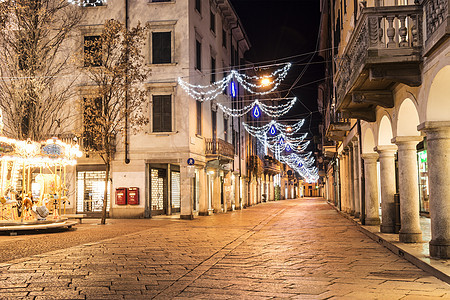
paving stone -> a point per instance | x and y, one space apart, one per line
296 249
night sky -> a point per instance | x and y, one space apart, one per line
286 31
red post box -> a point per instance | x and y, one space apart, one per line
133 196
121 196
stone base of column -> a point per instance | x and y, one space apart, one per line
410 237
387 228
209 212
440 249
357 214
352 212
374 221
187 217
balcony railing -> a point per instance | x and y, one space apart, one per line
386 44
271 166
219 147
437 17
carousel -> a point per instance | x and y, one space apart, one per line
33 183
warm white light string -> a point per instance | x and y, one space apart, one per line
273 111
211 91
274 128
279 76
310 174
87 3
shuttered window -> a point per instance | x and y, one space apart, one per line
92 51
162 113
213 69
161 47
199 117
198 55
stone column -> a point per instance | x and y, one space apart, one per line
371 188
356 178
438 159
410 231
387 184
186 210
341 182
350 178
216 201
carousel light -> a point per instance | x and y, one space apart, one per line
233 89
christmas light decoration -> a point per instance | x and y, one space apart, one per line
85 3
272 111
211 91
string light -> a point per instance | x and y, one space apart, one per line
85 3
272 111
211 91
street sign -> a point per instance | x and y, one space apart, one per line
190 161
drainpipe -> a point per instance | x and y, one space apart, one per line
126 159
363 188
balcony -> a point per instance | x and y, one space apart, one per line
217 149
271 166
384 49
437 22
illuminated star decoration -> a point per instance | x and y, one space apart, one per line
209 92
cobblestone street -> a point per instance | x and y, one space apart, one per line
298 249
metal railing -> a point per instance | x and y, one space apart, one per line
219 147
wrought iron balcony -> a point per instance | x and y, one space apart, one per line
385 48
219 149
437 16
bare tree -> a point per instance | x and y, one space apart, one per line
115 65
35 81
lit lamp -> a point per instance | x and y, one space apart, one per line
265 81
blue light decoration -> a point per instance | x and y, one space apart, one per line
256 112
233 89
300 165
281 141
273 130
288 148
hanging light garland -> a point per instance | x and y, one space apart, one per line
257 106
211 91
85 3
274 128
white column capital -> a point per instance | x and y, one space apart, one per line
436 129
386 150
369 157
407 140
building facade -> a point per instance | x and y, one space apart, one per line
190 159
386 124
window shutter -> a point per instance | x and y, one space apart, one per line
162 47
162 113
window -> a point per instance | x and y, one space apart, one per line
92 51
162 113
91 3
198 5
161 47
198 55
92 129
214 124
224 38
213 69
199 117
225 129
212 21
